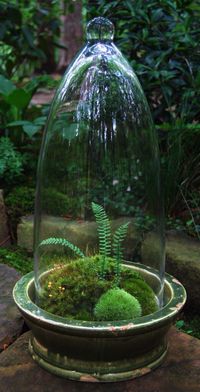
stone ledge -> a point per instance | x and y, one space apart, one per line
179 373
78 232
11 321
182 261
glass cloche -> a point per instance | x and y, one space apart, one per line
98 232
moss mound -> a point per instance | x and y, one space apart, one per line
73 290
117 304
140 290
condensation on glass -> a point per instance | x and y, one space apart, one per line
99 146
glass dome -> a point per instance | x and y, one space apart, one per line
98 202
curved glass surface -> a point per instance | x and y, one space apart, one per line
98 187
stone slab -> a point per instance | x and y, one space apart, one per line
81 233
42 96
11 322
179 373
182 261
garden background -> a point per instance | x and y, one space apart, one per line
161 40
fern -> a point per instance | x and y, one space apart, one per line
63 242
104 234
118 238
104 230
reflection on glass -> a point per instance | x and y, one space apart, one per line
99 148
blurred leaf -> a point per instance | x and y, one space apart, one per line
6 86
17 123
190 222
2 31
40 120
19 98
180 323
31 129
28 35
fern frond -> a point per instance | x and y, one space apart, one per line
62 242
118 238
103 227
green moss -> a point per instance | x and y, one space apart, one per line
142 291
16 258
73 290
117 304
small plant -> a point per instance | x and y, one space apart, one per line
190 325
117 304
104 231
96 287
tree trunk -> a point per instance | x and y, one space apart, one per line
71 36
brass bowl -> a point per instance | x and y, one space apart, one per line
100 351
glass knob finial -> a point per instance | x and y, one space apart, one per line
100 29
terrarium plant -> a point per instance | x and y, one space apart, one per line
99 315
99 286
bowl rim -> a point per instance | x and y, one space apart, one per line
32 311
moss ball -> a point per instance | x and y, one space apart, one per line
117 304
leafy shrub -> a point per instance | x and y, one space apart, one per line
14 108
22 123
11 162
21 199
28 35
19 202
56 203
117 304
161 40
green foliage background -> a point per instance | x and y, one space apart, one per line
28 33
161 40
